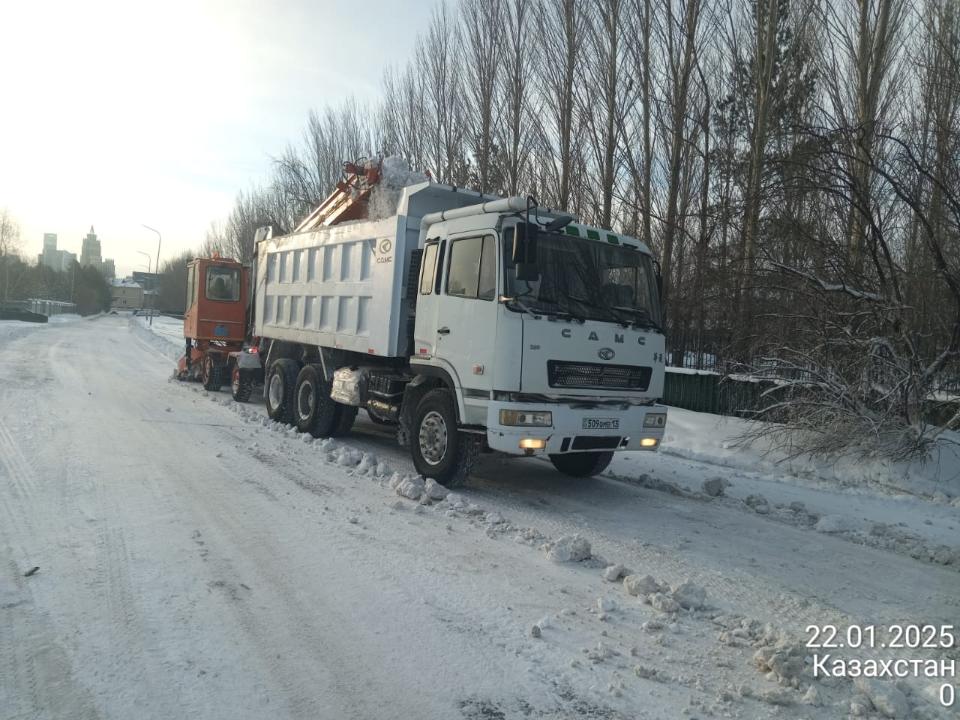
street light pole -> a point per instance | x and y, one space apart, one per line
149 259
159 239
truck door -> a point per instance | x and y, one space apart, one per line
466 324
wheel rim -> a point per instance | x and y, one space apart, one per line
275 392
433 437
305 400
235 380
206 369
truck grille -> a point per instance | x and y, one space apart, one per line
597 376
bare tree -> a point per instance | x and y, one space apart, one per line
681 38
861 68
515 126
483 45
562 25
437 58
9 247
401 127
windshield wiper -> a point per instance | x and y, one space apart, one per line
542 311
534 311
642 318
598 306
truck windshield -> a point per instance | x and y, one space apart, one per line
586 280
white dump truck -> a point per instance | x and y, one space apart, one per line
472 324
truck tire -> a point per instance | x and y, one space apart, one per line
346 415
585 464
313 409
241 384
439 450
281 381
212 374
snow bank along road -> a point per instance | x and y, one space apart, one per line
196 561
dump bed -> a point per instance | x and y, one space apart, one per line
345 286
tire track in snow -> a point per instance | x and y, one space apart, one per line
18 469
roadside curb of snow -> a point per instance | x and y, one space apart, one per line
881 536
155 341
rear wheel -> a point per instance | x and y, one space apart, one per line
241 384
212 374
440 451
281 381
585 464
314 411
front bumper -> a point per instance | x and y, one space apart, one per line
575 428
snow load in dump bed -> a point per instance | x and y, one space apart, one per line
345 286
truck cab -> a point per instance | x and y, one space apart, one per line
472 323
550 333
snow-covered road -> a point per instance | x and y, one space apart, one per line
194 563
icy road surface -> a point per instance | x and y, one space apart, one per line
196 562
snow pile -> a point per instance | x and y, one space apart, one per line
883 697
569 548
642 586
690 596
395 174
434 490
782 662
411 487
714 487
660 596
614 572
714 439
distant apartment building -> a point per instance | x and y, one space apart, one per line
90 252
126 295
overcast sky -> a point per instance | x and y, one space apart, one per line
121 112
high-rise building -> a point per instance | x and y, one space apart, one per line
90 253
109 270
50 258
67 259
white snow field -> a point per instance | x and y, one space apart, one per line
198 561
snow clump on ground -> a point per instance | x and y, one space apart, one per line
569 548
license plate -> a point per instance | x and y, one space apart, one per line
601 423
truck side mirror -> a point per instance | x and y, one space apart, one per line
525 244
524 254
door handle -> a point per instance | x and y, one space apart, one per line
443 331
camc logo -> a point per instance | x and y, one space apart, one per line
606 353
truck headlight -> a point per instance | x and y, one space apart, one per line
528 418
655 420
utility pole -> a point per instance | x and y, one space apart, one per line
159 239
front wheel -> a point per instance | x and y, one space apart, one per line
440 451
585 464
